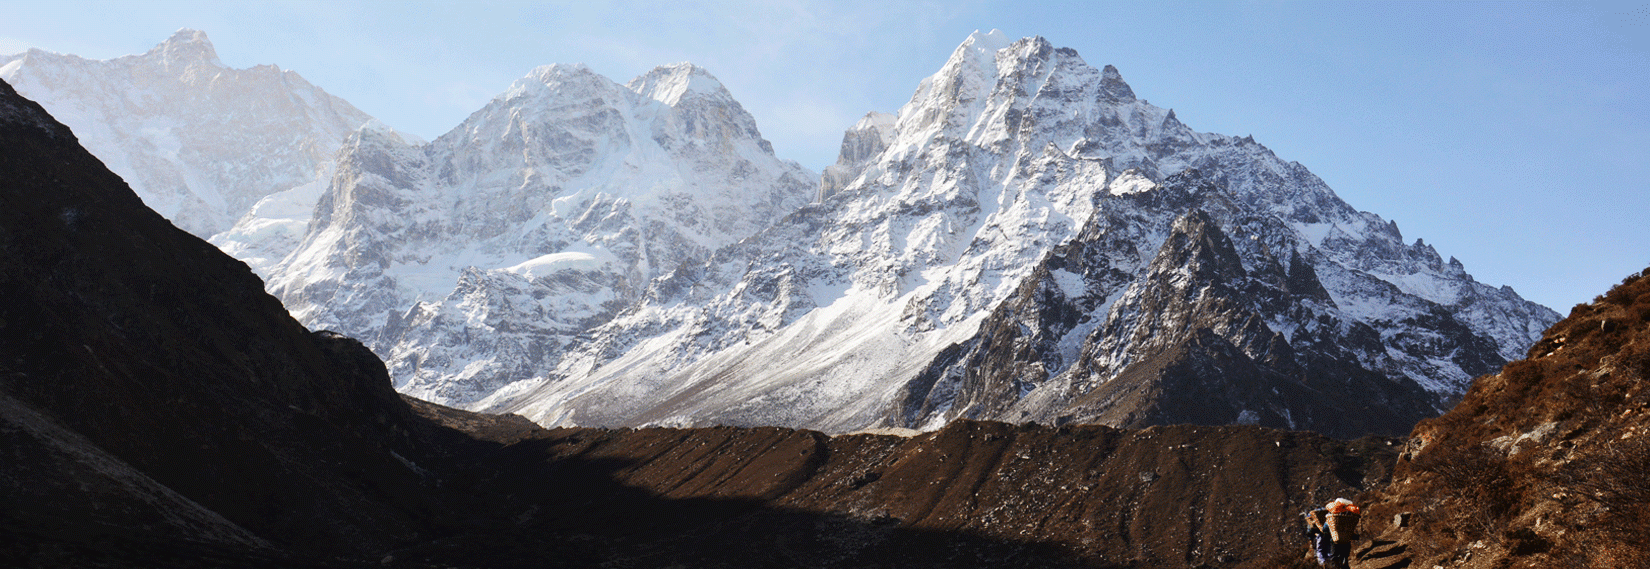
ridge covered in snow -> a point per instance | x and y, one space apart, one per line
200 143
478 259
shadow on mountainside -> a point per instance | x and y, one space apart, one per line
538 508
541 498
972 494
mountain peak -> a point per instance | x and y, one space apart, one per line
1111 83
988 42
668 84
560 71
186 46
559 81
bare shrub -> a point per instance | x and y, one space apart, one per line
1617 478
1475 496
1523 374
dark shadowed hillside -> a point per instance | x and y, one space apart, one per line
1546 464
973 494
158 409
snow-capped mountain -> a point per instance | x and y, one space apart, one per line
201 143
478 259
1026 239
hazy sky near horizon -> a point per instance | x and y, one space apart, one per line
1513 136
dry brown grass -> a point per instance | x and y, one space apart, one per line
1577 495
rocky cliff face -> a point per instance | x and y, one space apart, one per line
1206 329
201 143
1028 240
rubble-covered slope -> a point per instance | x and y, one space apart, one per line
1545 464
972 494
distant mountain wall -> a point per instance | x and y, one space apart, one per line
201 143
1026 240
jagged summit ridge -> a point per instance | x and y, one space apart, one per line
928 223
199 142
669 84
185 47
477 259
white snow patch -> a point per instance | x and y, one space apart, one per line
1131 183
1071 284
546 265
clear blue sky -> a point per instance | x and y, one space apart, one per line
1514 136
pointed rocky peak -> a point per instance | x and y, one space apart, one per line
669 84
861 143
562 75
1113 87
882 122
986 43
557 82
970 72
866 138
1199 247
376 132
1032 48
186 47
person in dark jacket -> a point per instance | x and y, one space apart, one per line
1317 535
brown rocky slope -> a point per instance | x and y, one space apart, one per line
1545 464
972 494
